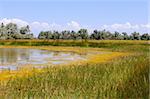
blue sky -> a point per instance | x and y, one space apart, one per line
85 13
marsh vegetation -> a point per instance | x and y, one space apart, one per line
125 76
75 64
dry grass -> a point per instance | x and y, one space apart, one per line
121 74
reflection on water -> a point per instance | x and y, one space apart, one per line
13 58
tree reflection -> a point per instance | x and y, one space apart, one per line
12 55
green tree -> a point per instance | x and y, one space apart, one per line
135 36
73 35
117 36
95 35
42 35
83 33
25 30
56 35
125 36
145 36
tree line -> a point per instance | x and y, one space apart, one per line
11 31
96 35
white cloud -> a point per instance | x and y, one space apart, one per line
146 25
37 26
55 26
45 25
73 25
127 27
116 26
19 22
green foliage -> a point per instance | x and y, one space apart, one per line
11 31
135 36
82 34
145 36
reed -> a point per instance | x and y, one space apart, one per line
121 77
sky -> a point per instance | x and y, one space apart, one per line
113 15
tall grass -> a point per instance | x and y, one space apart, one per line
124 77
81 43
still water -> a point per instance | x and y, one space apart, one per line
14 58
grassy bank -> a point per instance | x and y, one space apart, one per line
123 77
81 43
92 55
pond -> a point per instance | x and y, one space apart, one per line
16 58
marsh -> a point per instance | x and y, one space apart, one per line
15 58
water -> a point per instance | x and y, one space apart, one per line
15 58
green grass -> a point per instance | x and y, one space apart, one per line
81 43
124 77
